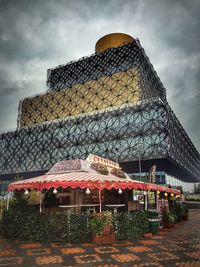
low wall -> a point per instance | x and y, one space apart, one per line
192 204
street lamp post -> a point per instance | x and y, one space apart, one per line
116 155
140 169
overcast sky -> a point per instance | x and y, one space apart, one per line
39 34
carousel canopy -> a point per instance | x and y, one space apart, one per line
83 174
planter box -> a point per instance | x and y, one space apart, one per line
148 235
108 229
103 239
168 225
184 217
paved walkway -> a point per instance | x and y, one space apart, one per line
176 247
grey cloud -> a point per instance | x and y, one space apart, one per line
37 35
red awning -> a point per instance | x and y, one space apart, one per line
84 180
161 188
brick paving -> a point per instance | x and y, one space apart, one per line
177 247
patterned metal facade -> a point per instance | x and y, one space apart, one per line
111 104
105 92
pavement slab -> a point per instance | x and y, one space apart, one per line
179 247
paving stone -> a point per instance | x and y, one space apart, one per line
175 247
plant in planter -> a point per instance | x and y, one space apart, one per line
175 216
181 212
100 168
102 228
177 211
97 225
118 173
184 213
103 170
168 219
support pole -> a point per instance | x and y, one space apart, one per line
100 204
140 168
146 199
8 199
156 199
40 196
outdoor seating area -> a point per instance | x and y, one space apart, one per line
86 200
95 185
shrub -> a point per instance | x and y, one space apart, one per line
33 198
30 225
22 221
179 211
130 225
173 213
2 207
168 217
192 197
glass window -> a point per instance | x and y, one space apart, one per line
3 187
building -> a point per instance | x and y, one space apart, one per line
112 104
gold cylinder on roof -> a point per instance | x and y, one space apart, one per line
112 40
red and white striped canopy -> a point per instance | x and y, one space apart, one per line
80 179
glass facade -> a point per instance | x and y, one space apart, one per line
160 177
111 101
129 130
3 187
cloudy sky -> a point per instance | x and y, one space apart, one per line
39 34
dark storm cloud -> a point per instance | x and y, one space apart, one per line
40 34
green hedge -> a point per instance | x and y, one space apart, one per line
28 224
179 210
130 225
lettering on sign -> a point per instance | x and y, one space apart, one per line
99 160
